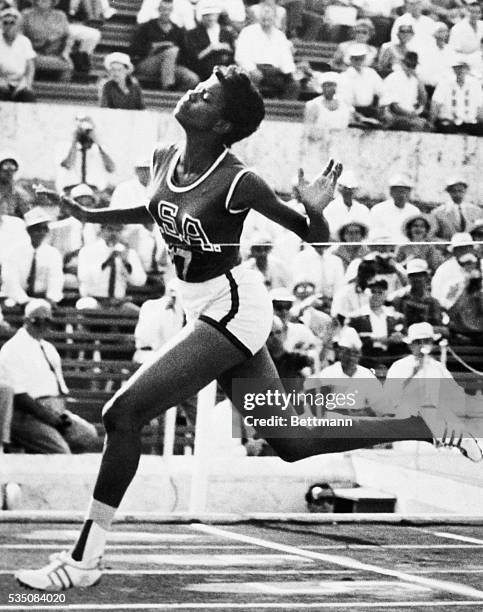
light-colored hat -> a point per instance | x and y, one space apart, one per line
36 307
460 239
362 224
9 155
400 180
143 162
468 258
208 7
349 338
86 303
280 294
36 216
348 179
82 190
421 331
416 266
477 226
459 60
456 180
357 50
118 58
427 218
329 77
10 11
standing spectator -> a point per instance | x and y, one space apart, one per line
404 97
321 267
387 217
436 59
17 68
48 30
362 32
361 86
210 43
34 270
455 215
344 207
354 231
329 111
41 423
456 102
14 200
391 54
419 228
106 267
423 25
84 159
121 89
159 51
465 36
265 53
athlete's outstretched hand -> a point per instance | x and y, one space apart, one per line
320 191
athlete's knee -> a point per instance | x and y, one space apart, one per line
119 414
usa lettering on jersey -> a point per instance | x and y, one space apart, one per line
190 232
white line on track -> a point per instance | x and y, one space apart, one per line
222 547
257 572
455 536
347 562
345 605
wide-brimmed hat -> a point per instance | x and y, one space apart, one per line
400 180
36 216
348 179
421 331
37 307
281 294
10 11
456 179
118 58
460 239
417 266
348 338
428 220
362 224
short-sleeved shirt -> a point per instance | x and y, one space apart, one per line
14 58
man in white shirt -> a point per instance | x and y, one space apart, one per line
456 102
106 267
344 207
12 231
435 57
319 266
361 86
423 25
34 269
133 192
465 36
388 217
266 54
33 369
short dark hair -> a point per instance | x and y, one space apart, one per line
244 107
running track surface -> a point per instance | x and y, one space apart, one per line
262 566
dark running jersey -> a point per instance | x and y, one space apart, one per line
194 219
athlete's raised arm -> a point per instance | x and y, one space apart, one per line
253 192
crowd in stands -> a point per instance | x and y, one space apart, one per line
412 65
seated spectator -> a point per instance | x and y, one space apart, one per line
404 97
48 30
106 267
17 68
41 423
319 266
362 32
210 43
265 53
183 13
344 207
84 159
456 214
34 270
456 102
450 278
466 314
465 36
353 296
422 25
360 85
353 232
414 301
148 243
255 10
419 228
159 51
14 199
392 54
260 258
95 10
83 38
436 59
120 89
329 111
380 15
388 217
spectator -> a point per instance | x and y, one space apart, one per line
456 214
354 231
12 231
450 278
380 15
148 243
106 267
419 228
476 232
14 200
319 266
327 111
159 51
265 53
234 14
41 423
391 54
363 31
121 89
34 270
344 207
456 102
210 43
95 10
17 66
436 59
404 97
290 364
273 269
414 301
388 217
84 159
465 36
466 314
423 25
48 30
353 296
83 39
183 13
360 85
255 10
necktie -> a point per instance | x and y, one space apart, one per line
154 257
32 275
462 220
52 369
111 290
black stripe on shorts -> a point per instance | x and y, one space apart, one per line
235 301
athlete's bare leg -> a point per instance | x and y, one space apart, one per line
365 431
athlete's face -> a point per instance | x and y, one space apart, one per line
201 108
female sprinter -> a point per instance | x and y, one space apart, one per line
200 196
